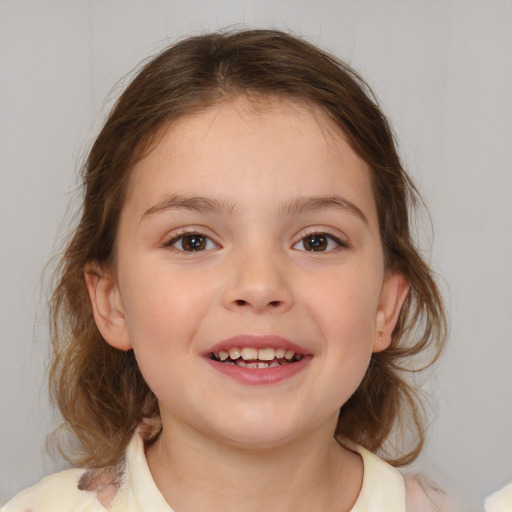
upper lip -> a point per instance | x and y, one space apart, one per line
256 341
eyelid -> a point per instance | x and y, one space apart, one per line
337 238
180 233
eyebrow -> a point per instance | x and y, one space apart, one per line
196 203
296 206
307 204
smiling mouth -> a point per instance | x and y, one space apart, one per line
249 357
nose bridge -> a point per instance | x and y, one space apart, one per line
259 279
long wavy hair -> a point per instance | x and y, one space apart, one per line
99 390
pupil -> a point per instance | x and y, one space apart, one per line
194 243
315 242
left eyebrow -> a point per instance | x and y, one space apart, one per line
307 204
197 203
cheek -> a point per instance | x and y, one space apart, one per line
345 308
158 290
162 315
163 308
345 303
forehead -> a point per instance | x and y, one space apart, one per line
273 147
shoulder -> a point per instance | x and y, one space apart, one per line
419 496
73 490
500 501
127 486
382 488
385 489
424 496
59 488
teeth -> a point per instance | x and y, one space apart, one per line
249 354
289 354
253 358
266 354
234 353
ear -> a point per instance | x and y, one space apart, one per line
393 294
107 306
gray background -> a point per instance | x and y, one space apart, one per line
443 73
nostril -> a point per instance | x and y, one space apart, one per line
273 304
257 305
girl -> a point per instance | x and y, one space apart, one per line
238 304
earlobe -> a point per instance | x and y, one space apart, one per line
107 306
380 323
393 295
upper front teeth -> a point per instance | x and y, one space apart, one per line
265 354
249 354
253 354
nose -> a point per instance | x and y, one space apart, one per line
259 283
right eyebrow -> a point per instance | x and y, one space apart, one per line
197 203
311 203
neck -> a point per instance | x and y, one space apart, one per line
197 472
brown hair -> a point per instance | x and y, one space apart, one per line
100 390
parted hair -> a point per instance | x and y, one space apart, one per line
99 390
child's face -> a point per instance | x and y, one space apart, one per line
250 227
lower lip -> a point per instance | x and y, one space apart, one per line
260 375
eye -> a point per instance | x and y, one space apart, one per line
192 242
319 242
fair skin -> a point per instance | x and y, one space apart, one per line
251 228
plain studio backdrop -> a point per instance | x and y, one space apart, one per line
442 71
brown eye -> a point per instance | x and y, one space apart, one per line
192 242
319 242
315 242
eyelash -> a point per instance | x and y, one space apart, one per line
341 244
181 236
